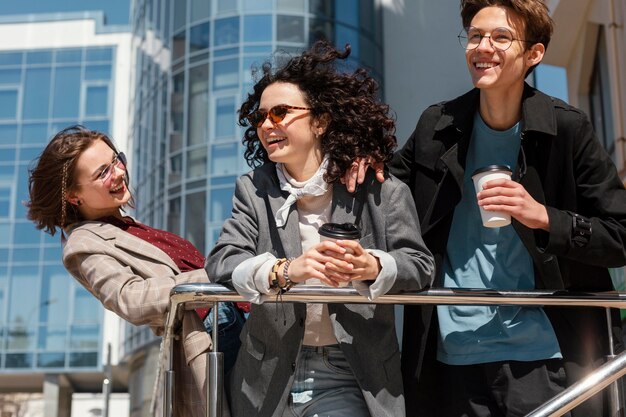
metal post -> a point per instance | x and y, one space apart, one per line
215 370
614 392
107 382
168 398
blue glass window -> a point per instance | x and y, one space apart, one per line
36 93
225 74
8 134
69 55
224 159
8 104
84 337
97 72
87 309
51 360
290 5
24 296
99 54
225 6
178 103
66 93
290 29
199 37
7 155
180 13
200 9
52 338
179 46
198 104
10 76
221 204
84 359
225 114
10 58
5 235
226 31
97 125
257 5
55 290
39 57
26 233
35 133
196 163
194 218
19 360
53 253
347 11
29 153
257 28
97 100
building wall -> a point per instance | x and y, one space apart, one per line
55 70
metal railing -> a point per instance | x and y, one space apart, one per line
190 296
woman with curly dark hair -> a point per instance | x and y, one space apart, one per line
306 122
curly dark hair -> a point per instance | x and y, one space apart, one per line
359 123
52 178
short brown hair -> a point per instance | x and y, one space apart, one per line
52 177
538 24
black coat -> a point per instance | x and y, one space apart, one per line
562 165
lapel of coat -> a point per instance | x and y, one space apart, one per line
131 244
343 204
289 234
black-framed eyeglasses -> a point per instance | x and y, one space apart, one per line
119 161
276 114
500 38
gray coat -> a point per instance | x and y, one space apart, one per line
263 374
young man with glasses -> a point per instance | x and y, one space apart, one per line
568 207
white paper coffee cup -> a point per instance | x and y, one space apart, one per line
336 231
480 177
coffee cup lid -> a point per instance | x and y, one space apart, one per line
489 168
340 231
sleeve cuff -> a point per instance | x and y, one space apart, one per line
384 281
250 278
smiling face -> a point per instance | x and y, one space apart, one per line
495 70
291 141
99 198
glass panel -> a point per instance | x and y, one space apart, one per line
290 5
199 37
4 281
290 29
225 74
256 5
87 309
221 204
35 133
97 100
24 296
320 29
225 116
11 58
8 104
200 9
84 359
346 35
66 93
224 6
257 28
195 213
52 253
69 55
99 54
178 103
198 105
29 153
26 233
10 76
180 14
179 46
98 125
26 255
22 191
5 234
347 11
19 360
84 337
173 216
36 93
39 57
54 294
226 31
224 159
176 169
8 135
52 338
97 72
51 360
196 163
5 210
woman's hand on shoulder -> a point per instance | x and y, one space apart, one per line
356 174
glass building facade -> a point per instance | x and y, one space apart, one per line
48 323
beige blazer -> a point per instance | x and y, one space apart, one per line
133 278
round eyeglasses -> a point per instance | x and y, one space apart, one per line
119 161
500 38
276 114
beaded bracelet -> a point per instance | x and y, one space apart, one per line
288 283
274 282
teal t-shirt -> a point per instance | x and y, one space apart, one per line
494 258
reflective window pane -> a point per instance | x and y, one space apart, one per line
226 31
196 163
24 296
225 6
8 104
10 58
36 93
35 133
290 5
51 360
257 5
179 46
26 233
39 57
52 338
225 116
97 100
87 309
198 104
225 74
69 55
199 37
84 337
66 92
178 103
194 217
84 359
10 76
221 204
7 155
55 290
8 134
180 13
98 54
200 9
257 28
290 29
348 12
97 72
19 360
224 159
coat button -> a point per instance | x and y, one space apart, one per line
293 366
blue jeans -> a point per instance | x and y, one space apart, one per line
230 321
324 385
